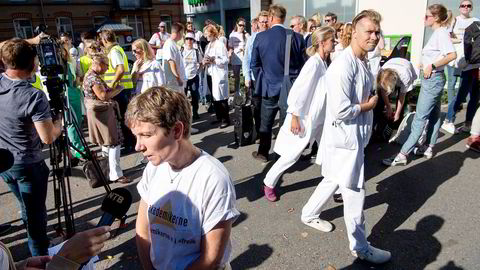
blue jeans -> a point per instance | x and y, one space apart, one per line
28 182
428 108
451 91
469 85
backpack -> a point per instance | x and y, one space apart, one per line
197 53
155 50
471 43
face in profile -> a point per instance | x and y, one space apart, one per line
366 34
154 142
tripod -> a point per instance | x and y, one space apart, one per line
60 151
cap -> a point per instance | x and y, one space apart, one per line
190 19
190 35
162 24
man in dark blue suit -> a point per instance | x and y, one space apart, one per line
268 60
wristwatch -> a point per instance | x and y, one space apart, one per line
433 66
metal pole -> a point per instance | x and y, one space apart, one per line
43 13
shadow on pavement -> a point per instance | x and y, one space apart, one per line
254 256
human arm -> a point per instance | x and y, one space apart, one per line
400 103
256 60
142 239
104 93
33 263
386 101
427 69
212 247
221 54
246 63
48 130
176 74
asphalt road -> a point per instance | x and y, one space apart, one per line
426 213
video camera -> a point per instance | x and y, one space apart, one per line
51 63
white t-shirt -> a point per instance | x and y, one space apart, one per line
405 70
149 75
156 40
460 25
4 263
237 42
115 58
171 52
437 47
182 210
191 61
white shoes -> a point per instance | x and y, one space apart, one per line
427 152
319 224
397 160
449 127
373 255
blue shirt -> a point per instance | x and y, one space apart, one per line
247 71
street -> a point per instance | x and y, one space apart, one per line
425 213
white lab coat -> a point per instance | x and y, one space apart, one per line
218 70
306 100
347 130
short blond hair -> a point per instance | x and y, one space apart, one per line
160 107
371 14
387 80
277 11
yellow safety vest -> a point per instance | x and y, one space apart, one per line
38 83
126 80
85 63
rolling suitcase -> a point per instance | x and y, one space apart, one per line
243 127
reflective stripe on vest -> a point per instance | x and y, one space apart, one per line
109 76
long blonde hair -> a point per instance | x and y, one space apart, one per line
147 50
321 34
346 36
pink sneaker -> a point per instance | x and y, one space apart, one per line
270 193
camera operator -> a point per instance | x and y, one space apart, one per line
26 122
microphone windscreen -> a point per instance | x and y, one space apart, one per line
6 159
117 202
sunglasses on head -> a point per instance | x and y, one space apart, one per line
466 6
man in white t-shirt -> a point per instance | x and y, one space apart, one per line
158 40
187 204
172 60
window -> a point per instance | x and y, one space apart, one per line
136 22
23 28
168 20
345 9
98 20
64 24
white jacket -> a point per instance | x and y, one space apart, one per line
149 75
219 69
305 100
347 130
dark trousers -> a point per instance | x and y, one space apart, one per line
268 112
469 85
28 182
192 86
123 98
222 111
257 109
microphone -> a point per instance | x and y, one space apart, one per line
6 160
115 205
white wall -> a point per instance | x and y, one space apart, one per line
401 17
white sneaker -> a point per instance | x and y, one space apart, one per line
427 152
319 224
449 127
398 160
373 255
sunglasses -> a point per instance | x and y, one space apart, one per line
241 25
427 16
466 6
327 20
189 39
136 51
263 22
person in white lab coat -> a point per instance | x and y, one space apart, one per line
301 124
216 61
347 129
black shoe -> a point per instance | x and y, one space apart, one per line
4 228
259 157
337 198
224 125
216 122
195 117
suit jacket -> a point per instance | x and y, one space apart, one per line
268 57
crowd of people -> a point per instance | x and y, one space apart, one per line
322 76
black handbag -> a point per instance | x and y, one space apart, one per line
91 174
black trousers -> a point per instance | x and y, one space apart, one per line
269 110
123 99
192 86
222 111
257 109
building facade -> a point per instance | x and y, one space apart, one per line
20 17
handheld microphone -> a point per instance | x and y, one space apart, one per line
6 160
115 205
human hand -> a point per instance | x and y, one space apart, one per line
296 127
396 117
427 71
34 263
179 81
84 245
247 83
389 111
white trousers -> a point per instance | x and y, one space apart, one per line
113 161
353 200
280 166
